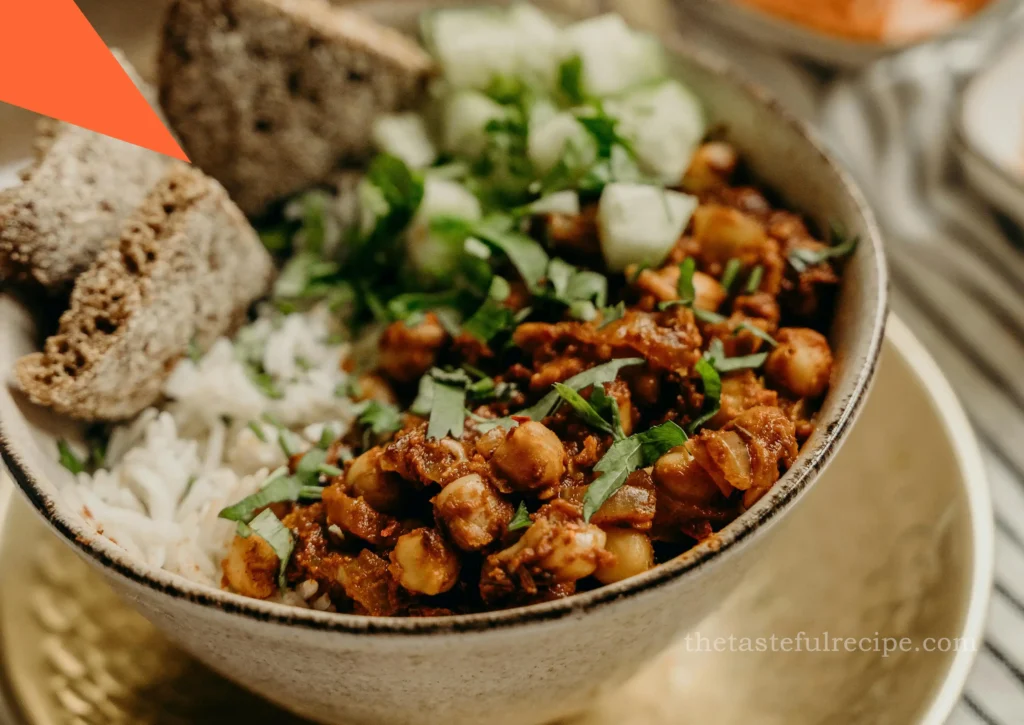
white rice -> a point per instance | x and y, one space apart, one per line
173 468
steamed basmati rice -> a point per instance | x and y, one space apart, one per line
172 469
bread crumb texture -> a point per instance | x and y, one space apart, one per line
73 199
268 96
185 268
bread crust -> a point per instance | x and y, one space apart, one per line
75 196
185 269
268 96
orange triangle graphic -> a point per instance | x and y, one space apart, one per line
53 62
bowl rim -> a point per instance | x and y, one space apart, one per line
786 491
869 49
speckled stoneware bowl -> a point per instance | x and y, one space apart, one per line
526 665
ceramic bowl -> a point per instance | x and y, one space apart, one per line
826 49
524 665
989 130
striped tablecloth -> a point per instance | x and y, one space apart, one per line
957 279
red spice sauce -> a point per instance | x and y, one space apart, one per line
872 20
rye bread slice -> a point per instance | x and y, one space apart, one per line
268 95
75 196
186 268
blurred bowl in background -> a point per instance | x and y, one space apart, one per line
827 49
989 130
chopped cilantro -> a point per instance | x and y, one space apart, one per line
841 246
570 80
732 270
754 280
330 471
269 528
380 419
625 456
278 487
712 393
492 317
257 430
613 313
522 518
585 410
448 408
68 459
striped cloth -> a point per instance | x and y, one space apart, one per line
957 280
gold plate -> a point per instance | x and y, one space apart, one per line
893 542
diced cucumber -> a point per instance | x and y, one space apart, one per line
466 116
615 57
561 202
405 135
664 124
547 142
473 46
639 224
431 255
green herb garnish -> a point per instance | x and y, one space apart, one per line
732 270
841 246
492 317
522 518
257 431
585 410
448 408
684 287
597 375
570 80
712 393
754 280
269 528
278 487
380 419
68 459
625 456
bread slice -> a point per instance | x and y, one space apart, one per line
74 198
268 95
186 268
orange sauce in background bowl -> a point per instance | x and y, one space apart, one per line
872 20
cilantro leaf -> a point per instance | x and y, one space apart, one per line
613 313
584 409
712 393
278 487
841 246
625 456
754 280
269 528
448 409
522 518
713 318
307 470
570 80
604 373
525 253
684 287
492 317
68 459
380 419
732 270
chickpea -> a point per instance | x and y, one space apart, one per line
633 555
423 563
709 294
472 512
251 567
724 233
574 550
802 362
531 457
678 474
713 164
663 284
373 387
381 489
406 353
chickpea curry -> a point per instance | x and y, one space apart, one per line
585 340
